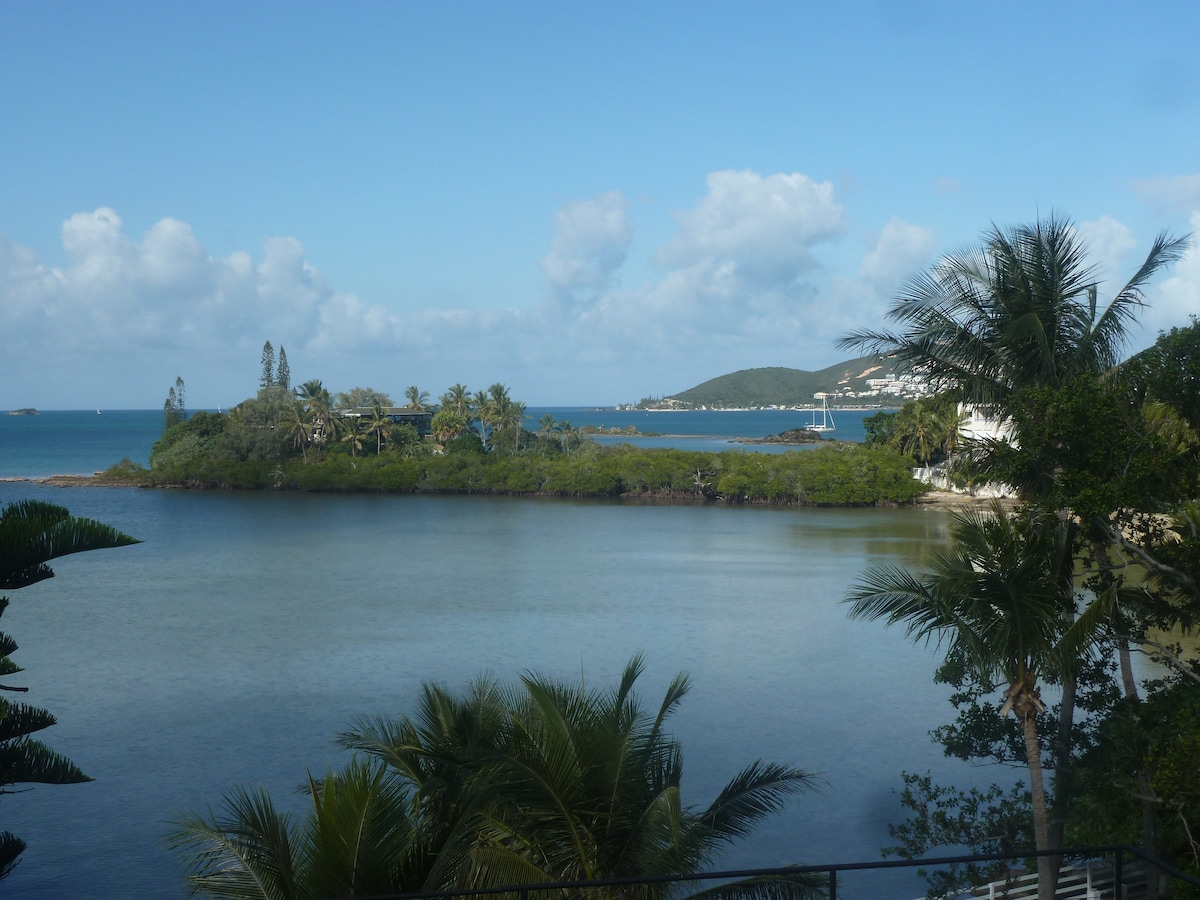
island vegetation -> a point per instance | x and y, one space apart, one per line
307 439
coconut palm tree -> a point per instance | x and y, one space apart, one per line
457 399
358 837
1020 310
483 410
417 398
294 421
352 429
997 595
573 783
565 432
319 406
379 425
516 414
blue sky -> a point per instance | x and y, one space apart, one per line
589 202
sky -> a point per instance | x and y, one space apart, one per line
589 202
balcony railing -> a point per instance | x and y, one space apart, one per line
1117 872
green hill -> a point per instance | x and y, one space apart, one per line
779 386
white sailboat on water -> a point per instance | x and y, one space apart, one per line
825 420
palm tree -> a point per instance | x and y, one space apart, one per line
380 426
295 424
574 783
457 399
566 432
358 837
998 596
499 394
1018 311
319 406
417 398
483 411
352 433
516 412
33 532
923 433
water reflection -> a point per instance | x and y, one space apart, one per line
249 628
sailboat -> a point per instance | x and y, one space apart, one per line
825 422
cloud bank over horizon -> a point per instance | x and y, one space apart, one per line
748 277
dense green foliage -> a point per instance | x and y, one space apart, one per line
31 534
477 444
778 386
543 781
838 475
925 430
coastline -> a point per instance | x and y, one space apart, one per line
946 501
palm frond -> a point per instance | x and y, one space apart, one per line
754 793
360 837
248 853
798 886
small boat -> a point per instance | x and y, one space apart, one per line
825 422
97 412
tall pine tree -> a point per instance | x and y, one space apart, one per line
283 374
174 410
268 367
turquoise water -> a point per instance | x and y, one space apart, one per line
248 629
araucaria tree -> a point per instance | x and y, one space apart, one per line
283 372
175 408
32 533
267 378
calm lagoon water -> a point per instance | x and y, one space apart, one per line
248 629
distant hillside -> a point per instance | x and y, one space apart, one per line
778 386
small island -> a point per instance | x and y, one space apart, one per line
791 436
26 411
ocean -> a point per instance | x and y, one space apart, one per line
249 628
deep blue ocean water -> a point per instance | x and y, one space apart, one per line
249 628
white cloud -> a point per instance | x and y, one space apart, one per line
740 284
761 230
901 250
1180 192
591 240
165 290
1108 243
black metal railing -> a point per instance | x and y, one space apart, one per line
1122 855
